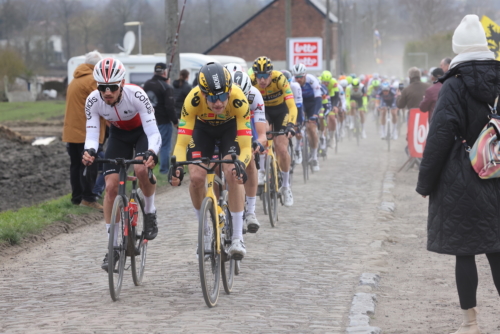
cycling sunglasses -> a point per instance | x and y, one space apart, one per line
299 76
222 97
113 87
262 75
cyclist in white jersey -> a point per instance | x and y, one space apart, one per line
133 125
258 123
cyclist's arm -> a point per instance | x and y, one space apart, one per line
93 122
147 114
318 98
284 85
243 133
259 116
186 123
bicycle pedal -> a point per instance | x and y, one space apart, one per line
245 231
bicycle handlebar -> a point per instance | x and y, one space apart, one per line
125 163
206 161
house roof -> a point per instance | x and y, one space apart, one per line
320 5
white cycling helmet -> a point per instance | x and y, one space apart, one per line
242 80
233 67
109 70
298 69
375 75
362 77
343 83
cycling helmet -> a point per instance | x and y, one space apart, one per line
353 75
298 70
233 67
287 75
109 70
326 76
349 79
386 86
355 82
362 77
343 83
375 75
375 83
262 65
214 79
242 79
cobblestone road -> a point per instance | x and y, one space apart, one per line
299 277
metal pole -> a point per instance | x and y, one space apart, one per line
328 37
288 28
172 26
140 40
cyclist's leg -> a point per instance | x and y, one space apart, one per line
394 112
383 111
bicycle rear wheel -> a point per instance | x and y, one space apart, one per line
208 259
227 264
117 243
138 259
272 192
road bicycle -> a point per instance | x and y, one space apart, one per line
306 152
215 229
388 128
126 231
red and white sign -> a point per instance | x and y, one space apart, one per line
306 50
418 128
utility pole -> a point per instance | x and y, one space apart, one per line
171 22
288 28
328 37
339 39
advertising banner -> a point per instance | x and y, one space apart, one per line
306 50
418 127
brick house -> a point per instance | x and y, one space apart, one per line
264 34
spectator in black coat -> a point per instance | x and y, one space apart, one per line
181 90
161 96
464 211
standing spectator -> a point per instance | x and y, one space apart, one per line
195 80
161 96
463 219
431 93
412 95
74 132
445 64
181 90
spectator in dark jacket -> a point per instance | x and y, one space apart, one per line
412 95
181 90
464 217
161 96
431 93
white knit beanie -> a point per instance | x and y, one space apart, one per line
469 36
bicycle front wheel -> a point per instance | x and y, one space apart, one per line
117 245
208 259
272 191
227 264
138 259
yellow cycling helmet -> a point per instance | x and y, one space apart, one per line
214 79
262 65
326 76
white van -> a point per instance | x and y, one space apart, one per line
231 59
141 67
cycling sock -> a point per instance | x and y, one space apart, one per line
262 162
237 225
197 212
149 206
286 178
108 226
115 240
315 154
297 145
251 204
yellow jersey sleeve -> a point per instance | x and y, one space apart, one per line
289 100
190 109
240 108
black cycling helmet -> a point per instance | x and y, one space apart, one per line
262 65
287 74
214 79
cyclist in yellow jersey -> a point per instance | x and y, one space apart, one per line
281 114
213 111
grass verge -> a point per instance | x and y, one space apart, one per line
16 225
31 111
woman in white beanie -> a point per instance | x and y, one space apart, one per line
464 211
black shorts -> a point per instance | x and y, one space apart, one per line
277 116
121 144
205 136
309 106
